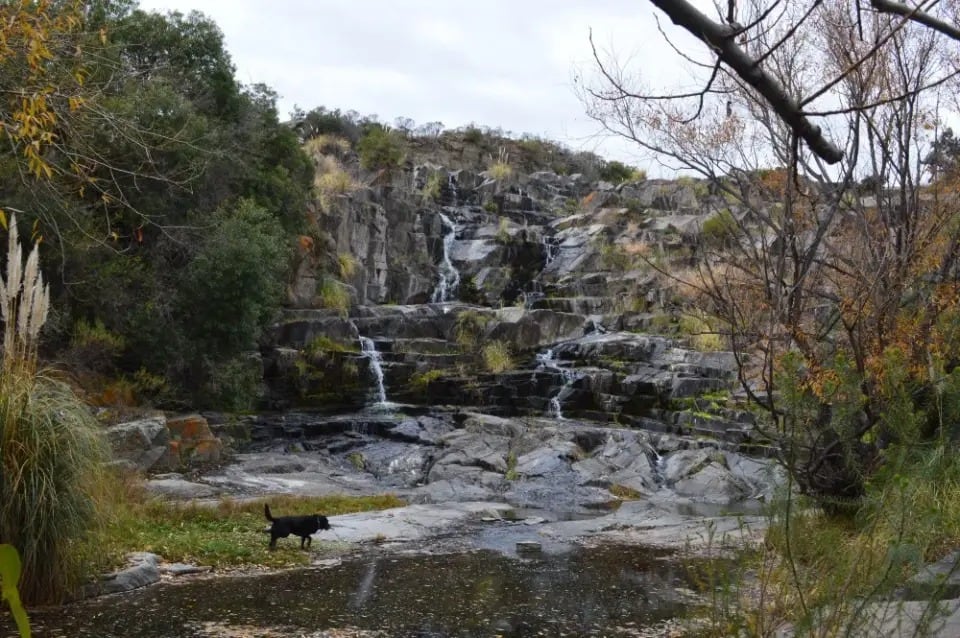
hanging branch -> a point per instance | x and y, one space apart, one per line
722 39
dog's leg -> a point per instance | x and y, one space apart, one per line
309 540
273 542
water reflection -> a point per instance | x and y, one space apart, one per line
601 590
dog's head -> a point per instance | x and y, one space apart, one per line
322 522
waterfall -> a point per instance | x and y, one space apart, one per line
659 468
550 250
369 350
452 186
547 359
449 276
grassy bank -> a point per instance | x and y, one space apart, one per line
226 534
821 573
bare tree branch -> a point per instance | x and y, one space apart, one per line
915 14
722 38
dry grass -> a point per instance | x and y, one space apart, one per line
51 448
322 145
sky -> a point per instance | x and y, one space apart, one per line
498 63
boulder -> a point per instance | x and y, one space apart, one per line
143 443
142 570
704 475
192 442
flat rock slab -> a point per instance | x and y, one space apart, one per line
408 523
179 489
651 523
142 570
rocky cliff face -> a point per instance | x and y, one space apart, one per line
534 293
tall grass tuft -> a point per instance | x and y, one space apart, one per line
51 449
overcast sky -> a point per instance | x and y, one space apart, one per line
506 63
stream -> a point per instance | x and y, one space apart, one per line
609 590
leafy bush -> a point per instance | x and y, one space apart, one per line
432 189
719 228
497 357
235 284
468 329
420 381
51 449
94 346
334 295
472 135
232 385
380 149
617 172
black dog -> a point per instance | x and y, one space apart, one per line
302 526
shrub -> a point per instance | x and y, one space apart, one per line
348 265
571 206
616 172
334 295
380 149
497 357
503 231
51 449
472 135
94 346
719 228
702 336
500 170
468 329
232 385
234 285
432 189
331 184
326 144
420 381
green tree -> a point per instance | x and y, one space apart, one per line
232 288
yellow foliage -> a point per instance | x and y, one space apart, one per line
34 35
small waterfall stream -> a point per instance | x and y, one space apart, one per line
369 350
547 360
449 275
550 249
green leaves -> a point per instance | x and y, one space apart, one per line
9 577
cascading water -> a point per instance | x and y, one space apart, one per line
449 275
369 350
550 250
452 186
548 360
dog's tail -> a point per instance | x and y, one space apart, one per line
266 512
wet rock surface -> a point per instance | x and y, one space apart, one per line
448 460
